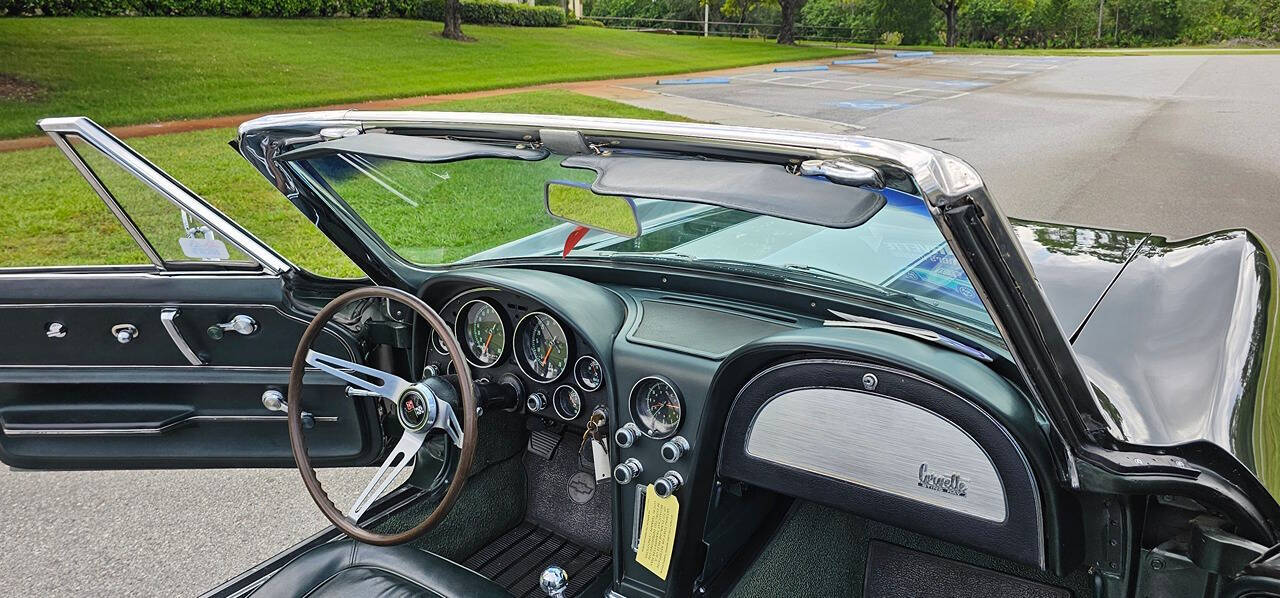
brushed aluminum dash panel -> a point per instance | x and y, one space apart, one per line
881 443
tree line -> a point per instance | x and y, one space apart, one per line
975 23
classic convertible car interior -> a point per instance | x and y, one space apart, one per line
597 357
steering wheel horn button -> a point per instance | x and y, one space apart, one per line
416 410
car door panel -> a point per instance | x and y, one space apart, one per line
177 391
82 399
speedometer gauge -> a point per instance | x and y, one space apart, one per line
656 407
482 333
542 348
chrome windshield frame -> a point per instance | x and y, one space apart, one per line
975 229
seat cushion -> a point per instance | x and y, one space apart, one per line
351 569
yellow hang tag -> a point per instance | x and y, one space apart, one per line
657 532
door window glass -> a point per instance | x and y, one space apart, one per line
53 218
178 237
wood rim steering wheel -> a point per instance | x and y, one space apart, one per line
420 408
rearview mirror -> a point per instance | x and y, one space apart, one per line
577 204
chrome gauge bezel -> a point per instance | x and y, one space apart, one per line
579 380
555 402
458 322
438 344
519 354
635 418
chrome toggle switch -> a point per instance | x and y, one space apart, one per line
627 471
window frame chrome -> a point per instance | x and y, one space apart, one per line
149 174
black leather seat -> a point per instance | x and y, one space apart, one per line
349 569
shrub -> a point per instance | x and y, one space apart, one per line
587 22
891 38
480 12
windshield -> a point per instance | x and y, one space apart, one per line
488 209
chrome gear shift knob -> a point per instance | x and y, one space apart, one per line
554 581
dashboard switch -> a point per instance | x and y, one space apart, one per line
536 402
668 484
675 448
627 471
626 435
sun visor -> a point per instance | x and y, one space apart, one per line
412 149
766 189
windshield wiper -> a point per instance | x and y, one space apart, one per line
852 321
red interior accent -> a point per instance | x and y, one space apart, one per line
573 238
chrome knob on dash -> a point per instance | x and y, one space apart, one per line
536 402
626 435
668 484
627 471
675 448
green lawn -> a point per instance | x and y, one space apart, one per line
134 70
54 218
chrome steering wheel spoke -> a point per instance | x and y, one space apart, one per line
400 456
446 420
389 386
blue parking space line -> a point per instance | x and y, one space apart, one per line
694 81
912 54
870 105
857 61
959 84
799 69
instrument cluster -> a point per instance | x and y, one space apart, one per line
503 334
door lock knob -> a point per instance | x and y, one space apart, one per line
124 332
627 471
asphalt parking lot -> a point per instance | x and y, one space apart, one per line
1177 145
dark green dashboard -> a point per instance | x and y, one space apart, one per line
714 351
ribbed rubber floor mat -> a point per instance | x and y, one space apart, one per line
516 559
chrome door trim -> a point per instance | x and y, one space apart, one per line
151 430
154 177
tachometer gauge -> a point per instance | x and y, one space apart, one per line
656 407
542 348
566 402
588 373
482 333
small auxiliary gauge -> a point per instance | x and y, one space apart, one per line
656 407
588 373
